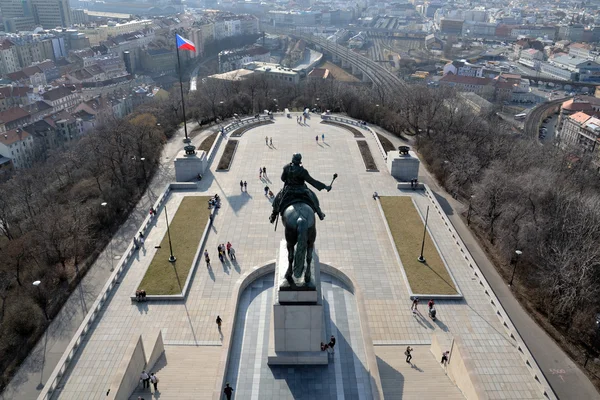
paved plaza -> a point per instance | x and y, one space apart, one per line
353 239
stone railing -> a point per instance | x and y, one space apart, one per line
349 121
245 121
69 353
511 330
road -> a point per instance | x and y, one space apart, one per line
196 71
534 118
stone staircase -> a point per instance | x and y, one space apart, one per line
423 378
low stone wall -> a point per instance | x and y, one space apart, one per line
350 121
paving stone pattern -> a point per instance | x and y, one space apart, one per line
352 238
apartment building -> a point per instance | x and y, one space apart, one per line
17 144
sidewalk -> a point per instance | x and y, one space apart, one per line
563 375
38 366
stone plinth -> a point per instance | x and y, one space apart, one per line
403 167
187 167
297 326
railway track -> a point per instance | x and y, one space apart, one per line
534 118
378 74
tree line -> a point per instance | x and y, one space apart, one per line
53 224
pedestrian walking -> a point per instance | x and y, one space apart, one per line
323 138
259 173
220 250
135 243
142 239
154 380
267 140
445 357
245 186
332 344
407 354
266 191
242 185
265 171
207 258
414 305
317 139
271 141
430 304
145 378
228 391
219 322
228 245
232 253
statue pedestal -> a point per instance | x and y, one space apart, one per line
297 325
187 167
403 167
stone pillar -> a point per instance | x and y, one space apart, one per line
188 166
297 325
345 64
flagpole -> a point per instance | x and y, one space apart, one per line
189 148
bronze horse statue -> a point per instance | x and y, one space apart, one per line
300 234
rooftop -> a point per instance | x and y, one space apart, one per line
13 136
579 117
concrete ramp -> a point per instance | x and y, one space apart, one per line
184 373
423 379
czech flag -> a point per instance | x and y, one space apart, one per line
185 44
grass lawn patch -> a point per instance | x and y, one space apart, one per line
385 142
365 152
227 157
163 277
355 132
406 225
208 142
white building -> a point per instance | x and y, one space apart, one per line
274 71
17 145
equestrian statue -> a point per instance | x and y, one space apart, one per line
297 205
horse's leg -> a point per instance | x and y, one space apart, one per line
310 245
288 273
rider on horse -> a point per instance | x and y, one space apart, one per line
295 190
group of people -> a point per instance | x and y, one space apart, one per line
214 201
299 118
221 249
414 183
268 192
329 347
269 142
140 295
430 306
322 138
147 379
152 212
262 172
243 186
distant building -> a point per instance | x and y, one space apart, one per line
484 87
230 60
463 68
17 145
581 131
9 58
51 13
161 61
581 50
451 26
274 71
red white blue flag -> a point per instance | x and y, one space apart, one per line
184 44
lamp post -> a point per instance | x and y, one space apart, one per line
171 257
42 299
470 210
595 339
112 266
518 253
421 259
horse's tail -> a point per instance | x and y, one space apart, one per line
301 243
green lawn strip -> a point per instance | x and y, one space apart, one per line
187 226
406 226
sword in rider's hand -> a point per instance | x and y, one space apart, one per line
334 178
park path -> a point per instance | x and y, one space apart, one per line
566 379
37 367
